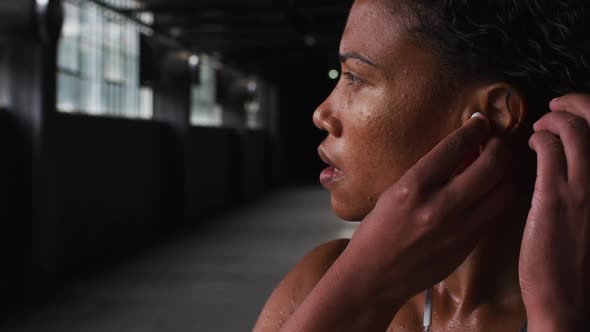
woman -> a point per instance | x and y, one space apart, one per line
429 144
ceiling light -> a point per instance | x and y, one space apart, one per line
333 74
252 85
193 60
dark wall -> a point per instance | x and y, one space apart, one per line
15 214
225 167
28 253
254 163
113 184
208 172
118 188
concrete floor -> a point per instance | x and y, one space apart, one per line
215 280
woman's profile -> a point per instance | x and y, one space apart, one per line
430 142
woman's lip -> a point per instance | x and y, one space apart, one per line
325 157
331 174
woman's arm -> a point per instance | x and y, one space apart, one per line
341 301
421 229
298 283
442 221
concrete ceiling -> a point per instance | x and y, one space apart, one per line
252 32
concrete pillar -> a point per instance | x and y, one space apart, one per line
29 32
171 106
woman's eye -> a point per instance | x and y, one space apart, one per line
352 79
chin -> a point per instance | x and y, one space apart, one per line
350 211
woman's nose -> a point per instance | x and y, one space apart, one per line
324 119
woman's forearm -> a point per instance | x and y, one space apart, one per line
556 318
345 300
552 324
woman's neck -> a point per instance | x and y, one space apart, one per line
489 275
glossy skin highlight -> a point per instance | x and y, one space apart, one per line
382 118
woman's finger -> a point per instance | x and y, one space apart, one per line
551 164
437 167
574 133
576 103
479 178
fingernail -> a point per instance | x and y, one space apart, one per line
555 99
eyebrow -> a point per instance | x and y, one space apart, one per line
354 55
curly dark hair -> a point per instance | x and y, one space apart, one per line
540 47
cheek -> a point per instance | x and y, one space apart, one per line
388 143
384 150
381 141
376 158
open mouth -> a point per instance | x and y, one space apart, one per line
331 174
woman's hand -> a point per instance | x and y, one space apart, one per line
428 222
421 229
555 256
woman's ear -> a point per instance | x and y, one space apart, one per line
504 106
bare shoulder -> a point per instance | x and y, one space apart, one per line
409 317
298 283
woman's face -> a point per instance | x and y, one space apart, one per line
390 107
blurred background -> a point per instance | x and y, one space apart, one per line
159 166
